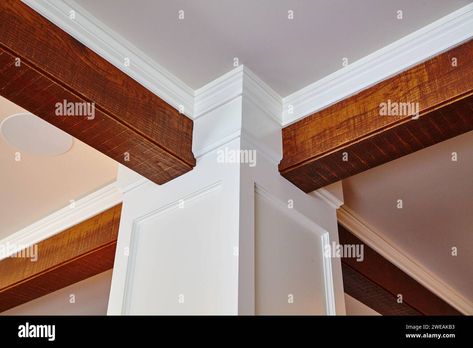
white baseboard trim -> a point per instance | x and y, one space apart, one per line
388 250
64 218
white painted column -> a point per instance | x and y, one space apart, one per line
228 237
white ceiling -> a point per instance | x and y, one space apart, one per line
37 186
286 54
437 212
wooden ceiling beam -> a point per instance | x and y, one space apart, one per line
75 254
378 283
42 67
363 131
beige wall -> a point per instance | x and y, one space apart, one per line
355 307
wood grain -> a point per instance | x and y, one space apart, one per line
75 254
131 125
314 147
376 282
372 295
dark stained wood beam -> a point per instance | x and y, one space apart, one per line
41 65
75 254
353 135
377 283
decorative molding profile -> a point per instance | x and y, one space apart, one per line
328 197
433 39
83 209
65 218
388 250
262 95
110 46
219 93
330 306
237 82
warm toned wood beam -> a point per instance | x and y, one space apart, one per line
377 283
352 135
75 254
41 65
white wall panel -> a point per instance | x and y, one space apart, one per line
181 258
290 269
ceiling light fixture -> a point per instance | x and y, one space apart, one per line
31 135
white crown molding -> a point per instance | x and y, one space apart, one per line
262 95
211 110
388 250
328 197
218 92
445 33
64 218
110 46
82 209
240 81
412 49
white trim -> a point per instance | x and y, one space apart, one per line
64 218
262 95
328 197
237 82
388 250
218 92
110 46
330 306
412 49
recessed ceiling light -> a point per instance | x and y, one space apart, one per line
32 135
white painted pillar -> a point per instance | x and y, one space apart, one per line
227 237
